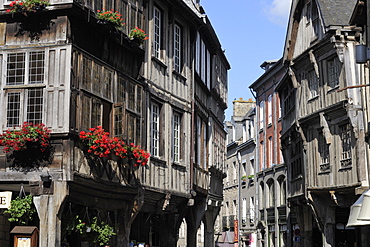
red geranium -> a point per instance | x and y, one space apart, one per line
102 145
17 139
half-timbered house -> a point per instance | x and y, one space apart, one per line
62 66
323 124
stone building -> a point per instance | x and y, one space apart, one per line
63 66
270 179
235 222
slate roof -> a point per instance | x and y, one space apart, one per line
336 12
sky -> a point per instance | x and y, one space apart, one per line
250 32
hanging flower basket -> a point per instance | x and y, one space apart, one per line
21 210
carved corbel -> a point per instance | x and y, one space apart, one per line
314 62
340 44
325 126
293 77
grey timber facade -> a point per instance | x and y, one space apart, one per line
168 95
324 123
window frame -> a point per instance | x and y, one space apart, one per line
157 31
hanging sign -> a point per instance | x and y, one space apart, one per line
5 198
236 233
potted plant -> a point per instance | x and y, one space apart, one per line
251 176
110 16
29 136
244 178
138 35
21 210
27 6
102 232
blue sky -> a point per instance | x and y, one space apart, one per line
250 32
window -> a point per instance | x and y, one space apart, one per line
270 152
282 183
94 112
96 78
203 62
269 109
346 136
313 83
157 37
176 124
25 68
154 129
288 99
262 156
261 115
333 72
17 113
271 196
324 153
296 157
177 48
201 143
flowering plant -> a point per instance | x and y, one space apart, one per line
97 140
114 17
133 152
138 34
18 140
102 145
27 6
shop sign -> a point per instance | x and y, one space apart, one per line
236 231
5 198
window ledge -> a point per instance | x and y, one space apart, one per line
313 98
333 89
156 60
39 85
179 75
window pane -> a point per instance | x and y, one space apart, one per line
118 112
97 78
86 73
96 116
177 48
131 96
34 105
13 109
157 31
155 129
36 68
15 69
176 137
107 83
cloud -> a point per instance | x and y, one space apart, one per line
278 11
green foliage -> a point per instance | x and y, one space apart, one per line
103 232
21 210
97 231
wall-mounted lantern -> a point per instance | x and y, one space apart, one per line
362 53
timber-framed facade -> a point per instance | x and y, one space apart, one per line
62 67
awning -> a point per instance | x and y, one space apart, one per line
360 211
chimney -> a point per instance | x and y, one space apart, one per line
241 107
